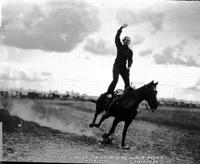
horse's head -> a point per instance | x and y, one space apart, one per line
150 95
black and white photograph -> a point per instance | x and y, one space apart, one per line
100 81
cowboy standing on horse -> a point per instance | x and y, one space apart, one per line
122 63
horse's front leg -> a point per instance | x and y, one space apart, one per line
123 145
115 122
105 116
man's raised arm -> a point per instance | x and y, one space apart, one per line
117 37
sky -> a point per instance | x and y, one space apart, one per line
69 45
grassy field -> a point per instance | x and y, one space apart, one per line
57 131
181 117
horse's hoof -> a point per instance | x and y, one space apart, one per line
96 125
91 125
105 135
126 147
107 141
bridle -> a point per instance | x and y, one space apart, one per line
150 100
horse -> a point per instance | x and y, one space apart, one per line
124 108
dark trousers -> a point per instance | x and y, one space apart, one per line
124 72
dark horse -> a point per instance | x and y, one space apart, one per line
125 108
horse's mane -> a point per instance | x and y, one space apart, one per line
142 87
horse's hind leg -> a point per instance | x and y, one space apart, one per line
100 107
95 117
115 122
105 116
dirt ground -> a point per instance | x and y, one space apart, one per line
67 138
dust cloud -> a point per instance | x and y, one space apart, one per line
31 110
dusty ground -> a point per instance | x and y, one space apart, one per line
67 138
